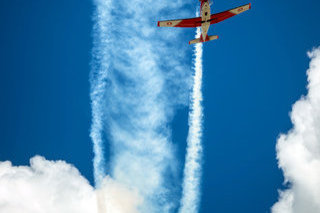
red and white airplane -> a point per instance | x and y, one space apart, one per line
205 20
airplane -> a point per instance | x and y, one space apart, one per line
205 20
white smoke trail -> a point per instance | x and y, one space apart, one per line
137 69
98 81
192 171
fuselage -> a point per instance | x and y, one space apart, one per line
205 18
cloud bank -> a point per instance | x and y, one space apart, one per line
298 151
55 186
192 171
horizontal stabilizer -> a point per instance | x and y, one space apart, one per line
200 40
214 37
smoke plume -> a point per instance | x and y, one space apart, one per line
140 75
192 171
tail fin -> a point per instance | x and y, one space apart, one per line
200 40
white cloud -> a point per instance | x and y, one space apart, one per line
55 186
298 151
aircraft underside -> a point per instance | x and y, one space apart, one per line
205 20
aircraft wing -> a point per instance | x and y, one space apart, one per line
218 17
190 22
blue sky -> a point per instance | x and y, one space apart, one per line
253 74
